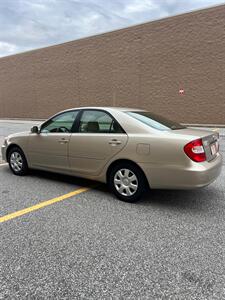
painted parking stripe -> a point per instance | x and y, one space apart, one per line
43 204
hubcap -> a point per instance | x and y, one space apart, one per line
126 182
16 161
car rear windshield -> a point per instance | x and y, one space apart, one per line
155 121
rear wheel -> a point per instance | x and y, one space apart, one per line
127 182
17 161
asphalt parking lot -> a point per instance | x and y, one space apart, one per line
89 245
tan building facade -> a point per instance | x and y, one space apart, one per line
143 66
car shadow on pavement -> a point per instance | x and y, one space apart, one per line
77 181
202 200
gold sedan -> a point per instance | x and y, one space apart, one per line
129 149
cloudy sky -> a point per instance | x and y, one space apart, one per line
31 24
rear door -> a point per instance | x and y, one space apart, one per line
99 137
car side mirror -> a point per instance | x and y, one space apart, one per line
35 129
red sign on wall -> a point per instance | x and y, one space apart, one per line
181 91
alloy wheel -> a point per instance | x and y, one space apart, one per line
16 161
126 182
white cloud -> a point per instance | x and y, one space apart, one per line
7 48
30 24
140 6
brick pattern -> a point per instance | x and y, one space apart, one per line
142 66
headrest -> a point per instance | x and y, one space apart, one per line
92 127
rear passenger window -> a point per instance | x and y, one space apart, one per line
96 121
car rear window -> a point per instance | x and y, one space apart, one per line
155 121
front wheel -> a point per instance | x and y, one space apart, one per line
17 161
127 182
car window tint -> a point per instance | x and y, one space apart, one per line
95 121
60 123
155 121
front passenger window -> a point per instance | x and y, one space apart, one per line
61 123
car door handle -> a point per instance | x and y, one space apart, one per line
115 142
63 141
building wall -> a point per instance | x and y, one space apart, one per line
142 66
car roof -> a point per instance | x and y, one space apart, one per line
108 108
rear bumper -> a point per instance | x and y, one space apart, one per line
175 177
3 150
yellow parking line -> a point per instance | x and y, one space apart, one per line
215 129
42 205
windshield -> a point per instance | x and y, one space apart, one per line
155 121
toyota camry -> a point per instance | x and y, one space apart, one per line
131 150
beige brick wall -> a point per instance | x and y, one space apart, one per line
142 66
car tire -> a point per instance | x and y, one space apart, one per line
17 161
127 182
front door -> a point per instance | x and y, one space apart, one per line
49 148
98 138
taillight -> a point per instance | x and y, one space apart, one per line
195 150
